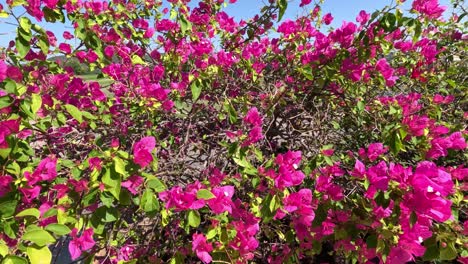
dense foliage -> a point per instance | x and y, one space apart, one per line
210 139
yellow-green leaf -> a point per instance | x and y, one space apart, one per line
193 218
39 237
36 102
29 212
39 255
205 194
74 112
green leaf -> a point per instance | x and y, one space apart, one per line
371 241
196 90
22 44
10 229
36 102
106 215
5 101
230 111
18 3
282 5
193 218
307 71
205 194
320 216
243 162
39 255
449 252
137 60
119 165
211 234
275 203
14 260
388 22
29 212
7 206
10 87
432 253
184 24
149 203
179 258
43 44
74 112
3 249
39 237
25 24
157 185
88 115
58 229
112 181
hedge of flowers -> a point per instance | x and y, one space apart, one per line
205 138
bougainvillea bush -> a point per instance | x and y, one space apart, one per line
205 138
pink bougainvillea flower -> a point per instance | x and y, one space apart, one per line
429 178
3 70
79 185
359 169
48 220
226 22
363 17
5 181
328 152
79 244
374 151
115 143
109 51
287 175
142 151
255 135
181 199
222 201
430 8
149 32
305 2
387 71
132 183
201 247
65 48
327 19
67 35
253 117
95 163
62 190
245 242
216 177
91 56
96 92
457 141
301 204
46 170
25 133
30 194
15 74
51 3
8 127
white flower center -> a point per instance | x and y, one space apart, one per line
295 166
420 239
430 189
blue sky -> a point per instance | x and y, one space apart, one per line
244 9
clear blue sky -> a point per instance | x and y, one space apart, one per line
244 9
